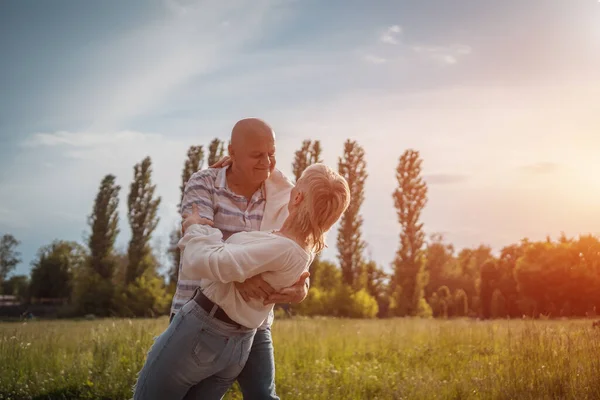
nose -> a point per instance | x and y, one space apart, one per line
265 160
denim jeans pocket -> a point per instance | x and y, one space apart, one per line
208 347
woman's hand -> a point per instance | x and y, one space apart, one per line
193 218
223 162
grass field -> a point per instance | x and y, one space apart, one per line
324 359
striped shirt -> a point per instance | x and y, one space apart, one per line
230 213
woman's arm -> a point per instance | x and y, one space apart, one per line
206 256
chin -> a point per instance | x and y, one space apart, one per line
262 175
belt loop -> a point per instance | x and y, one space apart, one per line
213 310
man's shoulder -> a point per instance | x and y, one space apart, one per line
208 175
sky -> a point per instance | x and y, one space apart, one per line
501 99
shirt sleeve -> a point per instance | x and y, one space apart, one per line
199 190
206 256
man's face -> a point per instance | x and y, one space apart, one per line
255 157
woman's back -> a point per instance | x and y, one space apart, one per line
286 260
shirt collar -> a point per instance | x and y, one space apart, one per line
221 182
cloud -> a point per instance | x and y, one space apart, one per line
391 35
445 179
440 54
83 139
80 161
136 73
541 168
445 55
374 59
12 219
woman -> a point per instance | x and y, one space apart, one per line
217 325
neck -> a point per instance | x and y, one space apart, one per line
292 232
239 185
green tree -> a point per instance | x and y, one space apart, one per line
346 302
446 302
440 261
434 303
498 309
316 303
410 198
93 294
324 274
468 268
558 278
146 296
9 256
376 280
377 285
16 285
193 163
104 222
325 281
53 270
489 281
309 153
216 150
353 167
505 280
461 304
142 218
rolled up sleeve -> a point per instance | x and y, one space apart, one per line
199 190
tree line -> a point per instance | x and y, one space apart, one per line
428 278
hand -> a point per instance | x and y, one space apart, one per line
293 294
223 162
254 288
194 218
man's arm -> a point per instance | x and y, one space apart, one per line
293 294
198 191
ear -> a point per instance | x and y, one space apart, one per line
298 198
230 150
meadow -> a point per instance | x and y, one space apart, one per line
324 359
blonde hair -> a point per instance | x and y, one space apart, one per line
326 197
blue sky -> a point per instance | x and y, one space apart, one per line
500 97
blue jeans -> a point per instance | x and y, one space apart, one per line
257 379
194 347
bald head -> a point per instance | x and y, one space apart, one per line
249 130
252 150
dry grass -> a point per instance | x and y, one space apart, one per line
324 359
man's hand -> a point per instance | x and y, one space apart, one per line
223 162
254 288
293 294
193 218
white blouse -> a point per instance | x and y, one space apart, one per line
205 255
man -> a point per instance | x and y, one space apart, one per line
248 195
